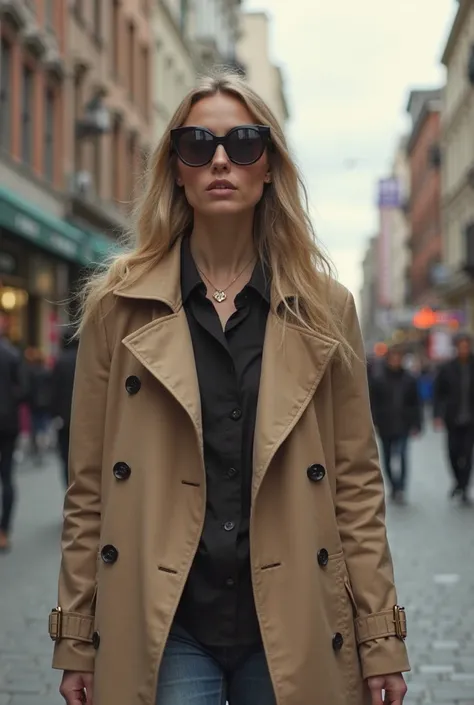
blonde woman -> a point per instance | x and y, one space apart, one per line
224 536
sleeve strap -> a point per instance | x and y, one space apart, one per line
390 622
70 625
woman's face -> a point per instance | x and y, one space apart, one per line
219 114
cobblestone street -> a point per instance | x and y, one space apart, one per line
433 546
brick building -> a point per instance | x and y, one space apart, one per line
75 116
425 242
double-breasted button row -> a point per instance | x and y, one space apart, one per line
337 641
316 472
109 553
133 384
323 557
122 471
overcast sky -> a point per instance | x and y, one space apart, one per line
348 67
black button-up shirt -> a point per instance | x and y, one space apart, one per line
217 606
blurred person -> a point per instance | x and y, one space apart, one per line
12 387
39 398
220 368
397 415
453 409
62 384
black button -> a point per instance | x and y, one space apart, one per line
316 472
323 557
109 553
132 384
232 472
122 471
236 414
337 641
229 526
230 582
96 640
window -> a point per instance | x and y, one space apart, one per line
145 78
115 37
115 161
131 167
98 19
97 164
49 125
79 10
27 115
5 94
49 12
131 59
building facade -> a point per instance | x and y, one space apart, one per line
368 295
253 51
457 122
75 125
40 253
425 240
212 27
109 109
399 253
174 63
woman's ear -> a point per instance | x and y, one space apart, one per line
179 181
268 177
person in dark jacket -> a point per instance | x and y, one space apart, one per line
39 397
453 409
11 394
397 415
61 393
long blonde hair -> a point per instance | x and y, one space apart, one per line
283 231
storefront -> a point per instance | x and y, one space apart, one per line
40 258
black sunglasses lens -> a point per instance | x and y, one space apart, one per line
245 145
195 147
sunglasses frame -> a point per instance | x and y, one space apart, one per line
175 134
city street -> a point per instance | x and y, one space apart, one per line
432 541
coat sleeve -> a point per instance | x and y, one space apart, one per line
360 511
82 506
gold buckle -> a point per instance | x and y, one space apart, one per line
55 633
400 631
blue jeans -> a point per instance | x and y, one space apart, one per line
392 447
191 674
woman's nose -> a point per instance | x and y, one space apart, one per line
220 156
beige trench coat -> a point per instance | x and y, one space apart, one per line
316 485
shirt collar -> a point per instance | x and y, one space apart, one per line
191 279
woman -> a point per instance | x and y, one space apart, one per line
224 531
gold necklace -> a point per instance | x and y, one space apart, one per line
219 294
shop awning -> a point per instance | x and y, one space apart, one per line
41 228
51 233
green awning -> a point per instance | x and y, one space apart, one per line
41 228
51 233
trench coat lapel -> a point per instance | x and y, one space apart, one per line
292 366
164 346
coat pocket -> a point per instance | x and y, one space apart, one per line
348 586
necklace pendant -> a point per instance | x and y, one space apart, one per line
219 296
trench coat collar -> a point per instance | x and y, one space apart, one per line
293 363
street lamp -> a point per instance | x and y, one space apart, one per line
96 120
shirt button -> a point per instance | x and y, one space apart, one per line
231 472
236 414
229 525
230 582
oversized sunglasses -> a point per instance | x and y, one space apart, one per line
196 146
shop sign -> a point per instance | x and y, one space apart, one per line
43 231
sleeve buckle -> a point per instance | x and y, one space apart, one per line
55 624
399 620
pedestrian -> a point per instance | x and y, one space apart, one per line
453 409
223 530
12 391
39 397
62 383
397 415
